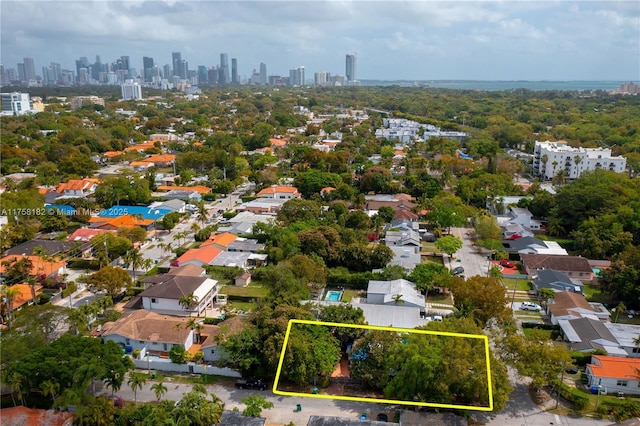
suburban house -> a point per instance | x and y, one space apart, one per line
49 268
160 160
397 292
245 246
404 237
263 205
614 374
173 205
279 192
200 256
532 245
125 221
406 256
85 234
24 297
240 259
243 279
221 240
200 189
169 290
50 247
190 196
588 334
519 221
556 280
78 187
566 306
149 331
574 266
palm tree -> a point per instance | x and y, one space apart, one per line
198 329
9 294
181 236
136 381
620 308
87 373
188 300
397 299
114 382
159 389
15 381
50 388
135 259
195 227
203 213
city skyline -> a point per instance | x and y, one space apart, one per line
413 40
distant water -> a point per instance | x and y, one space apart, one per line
500 85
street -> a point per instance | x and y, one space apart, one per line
473 262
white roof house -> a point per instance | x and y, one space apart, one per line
385 293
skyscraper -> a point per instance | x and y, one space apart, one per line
83 62
263 73
224 69
29 69
203 74
350 70
296 76
234 72
124 63
147 68
175 57
183 69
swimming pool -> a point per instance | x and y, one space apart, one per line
333 296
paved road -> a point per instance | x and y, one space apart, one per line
474 263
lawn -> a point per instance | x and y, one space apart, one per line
249 291
349 294
520 284
242 306
429 248
537 334
444 299
431 259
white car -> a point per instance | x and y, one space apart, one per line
530 306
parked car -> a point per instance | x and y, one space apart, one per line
458 270
530 306
251 383
507 263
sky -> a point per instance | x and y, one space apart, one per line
393 40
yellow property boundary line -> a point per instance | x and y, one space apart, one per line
376 400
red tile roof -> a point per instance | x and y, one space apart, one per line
223 239
23 416
203 254
275 189
200 189
615 367
127 221
85 234
24 294
39 266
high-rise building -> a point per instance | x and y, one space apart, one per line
126 62
29 69
212 75
296 76
183 69
223 75
350 69
166 71
320 78
83 62
175 59
203 75
147 68
22 74
97 68
263 73
131 90
235 79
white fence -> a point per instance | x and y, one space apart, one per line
185 368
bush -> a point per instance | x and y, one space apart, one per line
178 355
229 215
180 251
209 197
71 287
579 399
44 299
248 198
136 353
620 409
540 326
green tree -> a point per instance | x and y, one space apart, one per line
297 209
480 298
194 408
50 389
386 213
136 381
449 245
255 404
375 179
427 276
109 279
159 389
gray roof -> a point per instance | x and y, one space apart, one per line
402 238
238 228
587 333
625 334
173 204
252 246
405 256
340 421
235 418
390 288
556 280
231 258
522 243
392 315
175 287
52 246
251 218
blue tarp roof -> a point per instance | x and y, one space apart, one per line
145 212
